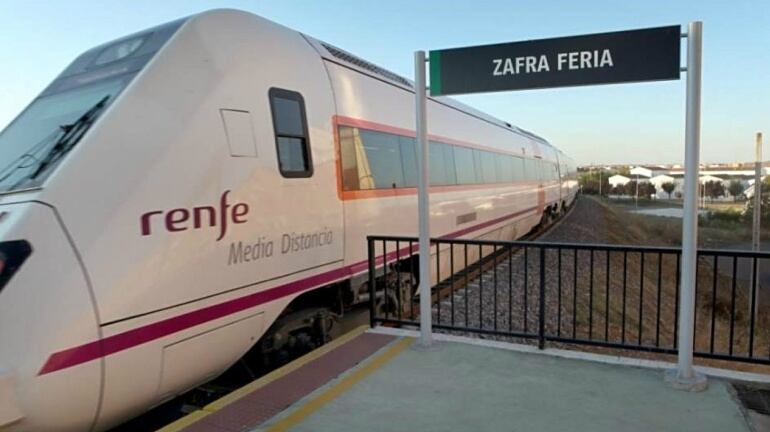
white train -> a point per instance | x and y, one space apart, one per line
170 194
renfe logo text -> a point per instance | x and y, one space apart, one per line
182 219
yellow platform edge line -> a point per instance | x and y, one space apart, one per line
222 402
340 387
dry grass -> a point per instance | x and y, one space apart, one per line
716 311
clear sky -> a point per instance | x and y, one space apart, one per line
626 123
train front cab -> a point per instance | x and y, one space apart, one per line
45 305
65 315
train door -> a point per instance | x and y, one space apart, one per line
307 214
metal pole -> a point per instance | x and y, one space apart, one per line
685 377
757 193
600 182
757 217
636 197
423 203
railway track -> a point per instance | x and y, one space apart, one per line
449 286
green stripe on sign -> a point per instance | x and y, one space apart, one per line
434 58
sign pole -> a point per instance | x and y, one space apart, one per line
423 199
757 193
684 377
600 182
757 217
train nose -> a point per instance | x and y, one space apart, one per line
45 309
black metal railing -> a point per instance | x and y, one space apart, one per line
623 297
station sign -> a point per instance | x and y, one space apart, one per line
650 54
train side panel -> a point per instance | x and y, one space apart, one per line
491 211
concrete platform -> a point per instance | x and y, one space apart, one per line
461 387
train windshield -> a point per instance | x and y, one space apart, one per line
25 143
33 144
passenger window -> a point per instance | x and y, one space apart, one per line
438 169
291 134
449 163
530 169
383 157
466 174
518 169
351 150
408 161
488 167
505 168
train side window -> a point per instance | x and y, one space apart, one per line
488 167
518 169
449 164
438 169
351 149
383 159
408 161
530 169
466 173
541 173
505 168
291 134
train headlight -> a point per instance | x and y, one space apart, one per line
12 256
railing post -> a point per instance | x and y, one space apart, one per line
541 328
372 289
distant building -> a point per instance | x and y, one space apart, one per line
618 180
639 171
648 171
657 175
710 178
661 179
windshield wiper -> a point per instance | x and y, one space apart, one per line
19 163
73 132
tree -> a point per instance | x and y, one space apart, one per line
589 181
618 190
735 188
668 187
646 189
630 188
714 189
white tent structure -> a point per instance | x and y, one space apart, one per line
618 180
659 180
641 172
710 178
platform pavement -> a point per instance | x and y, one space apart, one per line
466 387
461 387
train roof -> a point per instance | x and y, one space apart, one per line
339 55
